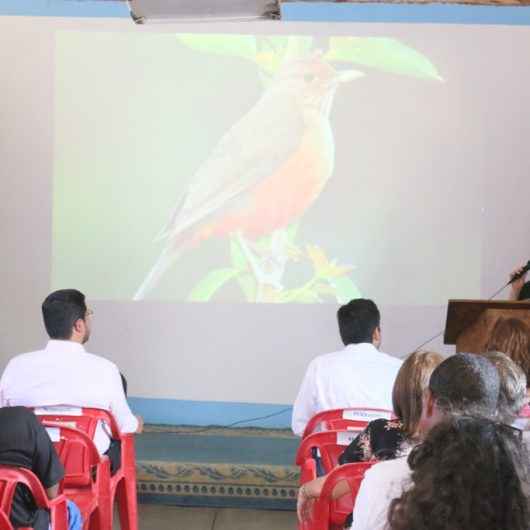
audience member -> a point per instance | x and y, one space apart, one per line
469 474
462 384
357 376
385 439
512 395
25 443
512 337
65 374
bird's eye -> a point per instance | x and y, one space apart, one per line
309 77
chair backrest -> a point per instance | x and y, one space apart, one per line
5 523
10 477
76 451
328 445
328 512
354 418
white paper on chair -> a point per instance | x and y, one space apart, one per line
54 433
366 415
60 410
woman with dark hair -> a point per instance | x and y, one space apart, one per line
385 439
468 474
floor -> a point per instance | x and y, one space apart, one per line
157 517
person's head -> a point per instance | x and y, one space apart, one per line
464 383
66 316
411 382
469 474
512 337
512 395
360 321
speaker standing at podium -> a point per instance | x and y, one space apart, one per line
520 289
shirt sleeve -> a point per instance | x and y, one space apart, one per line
304 405
126 420
46 463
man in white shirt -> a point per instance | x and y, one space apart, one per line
64 374
357 376
463 384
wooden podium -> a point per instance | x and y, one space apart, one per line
469 322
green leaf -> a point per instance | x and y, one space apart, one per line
239 260
233 45
382 53
345 289
211 283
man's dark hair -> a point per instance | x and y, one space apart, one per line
524 293
60 310
466 383
358 320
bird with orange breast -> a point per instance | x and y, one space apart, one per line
265 172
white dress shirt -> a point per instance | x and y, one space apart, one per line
382 483
357 376
65 374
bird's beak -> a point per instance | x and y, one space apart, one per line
348 75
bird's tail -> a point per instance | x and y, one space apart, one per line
168 256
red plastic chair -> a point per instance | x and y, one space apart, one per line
329 444
330 514
5 523
122 485
10 477
87 475
354 418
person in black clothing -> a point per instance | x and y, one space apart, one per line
25 443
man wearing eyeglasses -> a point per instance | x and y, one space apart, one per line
65 374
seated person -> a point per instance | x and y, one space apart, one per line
64 373
384 439
469 474
25 443
358 376
512 395
462 384
520 289
512 337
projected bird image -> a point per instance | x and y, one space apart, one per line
271 166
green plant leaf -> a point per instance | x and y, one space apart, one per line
211 283
233 45
345 289
239 260
382 53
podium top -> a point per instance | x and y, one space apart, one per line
461 314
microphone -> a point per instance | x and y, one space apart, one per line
520 274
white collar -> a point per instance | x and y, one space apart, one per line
64 346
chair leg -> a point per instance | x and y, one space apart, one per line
127 504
